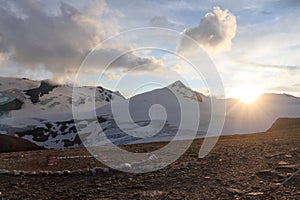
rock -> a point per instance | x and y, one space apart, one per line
288 168
106 170
288 156
264 171
268 175
15 173
66 172
32 173
274 154
44 173
86 170
26 173
292 166
234 190
3 171
126 166
139 186
22 184
22 173
255 193
59 173
207 178
282 163
75 172
94 171
13 184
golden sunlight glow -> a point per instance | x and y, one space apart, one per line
246 94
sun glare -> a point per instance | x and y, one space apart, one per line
247 94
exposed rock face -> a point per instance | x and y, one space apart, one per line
13 144
36 93
15 104
59 134
10 100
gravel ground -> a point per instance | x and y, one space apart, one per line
239 167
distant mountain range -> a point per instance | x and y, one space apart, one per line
41 112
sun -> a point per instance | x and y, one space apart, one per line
247 94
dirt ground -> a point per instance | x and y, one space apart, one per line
239 167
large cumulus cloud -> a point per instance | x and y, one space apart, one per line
32 36
214 32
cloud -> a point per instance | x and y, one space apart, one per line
203 90
268 45
160 21
214 32
266 12
32 36
111 76
121 58
165 22
283 67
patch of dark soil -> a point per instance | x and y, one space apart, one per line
13 144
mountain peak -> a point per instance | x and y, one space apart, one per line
178 83
185 91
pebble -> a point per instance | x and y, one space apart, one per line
32 173
106 170
59 173
234 190
94 170
282 163
66 172
126 166
3 171
255 193
44 173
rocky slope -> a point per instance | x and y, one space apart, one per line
282 124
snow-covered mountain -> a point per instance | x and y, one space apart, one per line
42 113
151 116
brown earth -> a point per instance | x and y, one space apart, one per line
239 167
13 144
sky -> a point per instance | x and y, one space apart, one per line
245 45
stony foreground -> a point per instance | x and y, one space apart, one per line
239 167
